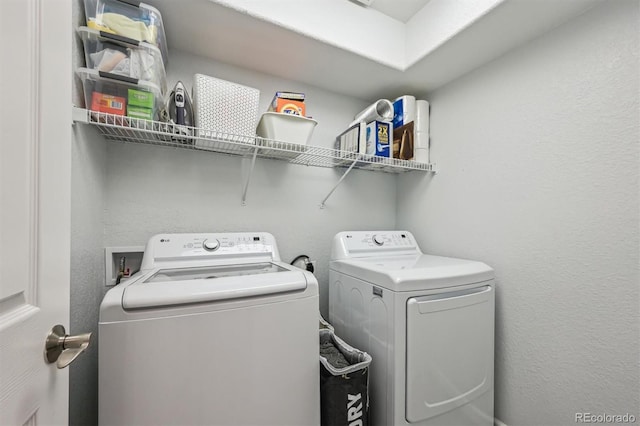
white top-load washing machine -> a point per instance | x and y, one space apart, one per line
214 330
427 321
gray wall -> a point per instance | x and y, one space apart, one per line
537 155
88 197
152 189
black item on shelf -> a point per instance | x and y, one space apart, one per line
178 112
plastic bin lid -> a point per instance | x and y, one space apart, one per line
89 74
89 33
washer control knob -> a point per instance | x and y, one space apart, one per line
211 245
378 240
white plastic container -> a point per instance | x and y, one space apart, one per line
222 106
124 56
286 127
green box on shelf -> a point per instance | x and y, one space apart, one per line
140 98
139 112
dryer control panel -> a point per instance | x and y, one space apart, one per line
166 248
373 243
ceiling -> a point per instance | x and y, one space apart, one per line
401 10
365 54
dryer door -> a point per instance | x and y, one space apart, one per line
449 350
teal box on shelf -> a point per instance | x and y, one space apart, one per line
378 138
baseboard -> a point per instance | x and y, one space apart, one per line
498 422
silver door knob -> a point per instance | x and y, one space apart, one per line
63 348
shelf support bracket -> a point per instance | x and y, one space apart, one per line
344 175
79 115
246 184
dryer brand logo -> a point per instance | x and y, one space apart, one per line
354 412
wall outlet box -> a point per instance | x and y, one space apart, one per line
132 261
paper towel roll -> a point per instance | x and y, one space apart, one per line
408 109
421 140
421 155
381 110
422 116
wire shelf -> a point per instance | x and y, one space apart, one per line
135 130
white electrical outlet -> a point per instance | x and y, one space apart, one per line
112 256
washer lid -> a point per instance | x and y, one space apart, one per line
179 286
415 272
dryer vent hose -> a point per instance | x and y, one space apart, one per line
303 262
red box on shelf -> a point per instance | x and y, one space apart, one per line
107 103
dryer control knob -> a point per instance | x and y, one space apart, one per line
378 240
211 245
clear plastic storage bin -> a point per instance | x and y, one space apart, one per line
140 22
120 95
124 56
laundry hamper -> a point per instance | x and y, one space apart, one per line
323 323
344 382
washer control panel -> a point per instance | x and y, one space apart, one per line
371 243
180 247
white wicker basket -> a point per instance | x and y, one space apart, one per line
224 109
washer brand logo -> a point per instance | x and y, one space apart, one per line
354 414
165 240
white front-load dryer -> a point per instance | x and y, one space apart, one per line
428 323
214 330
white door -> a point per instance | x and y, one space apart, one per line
35 142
